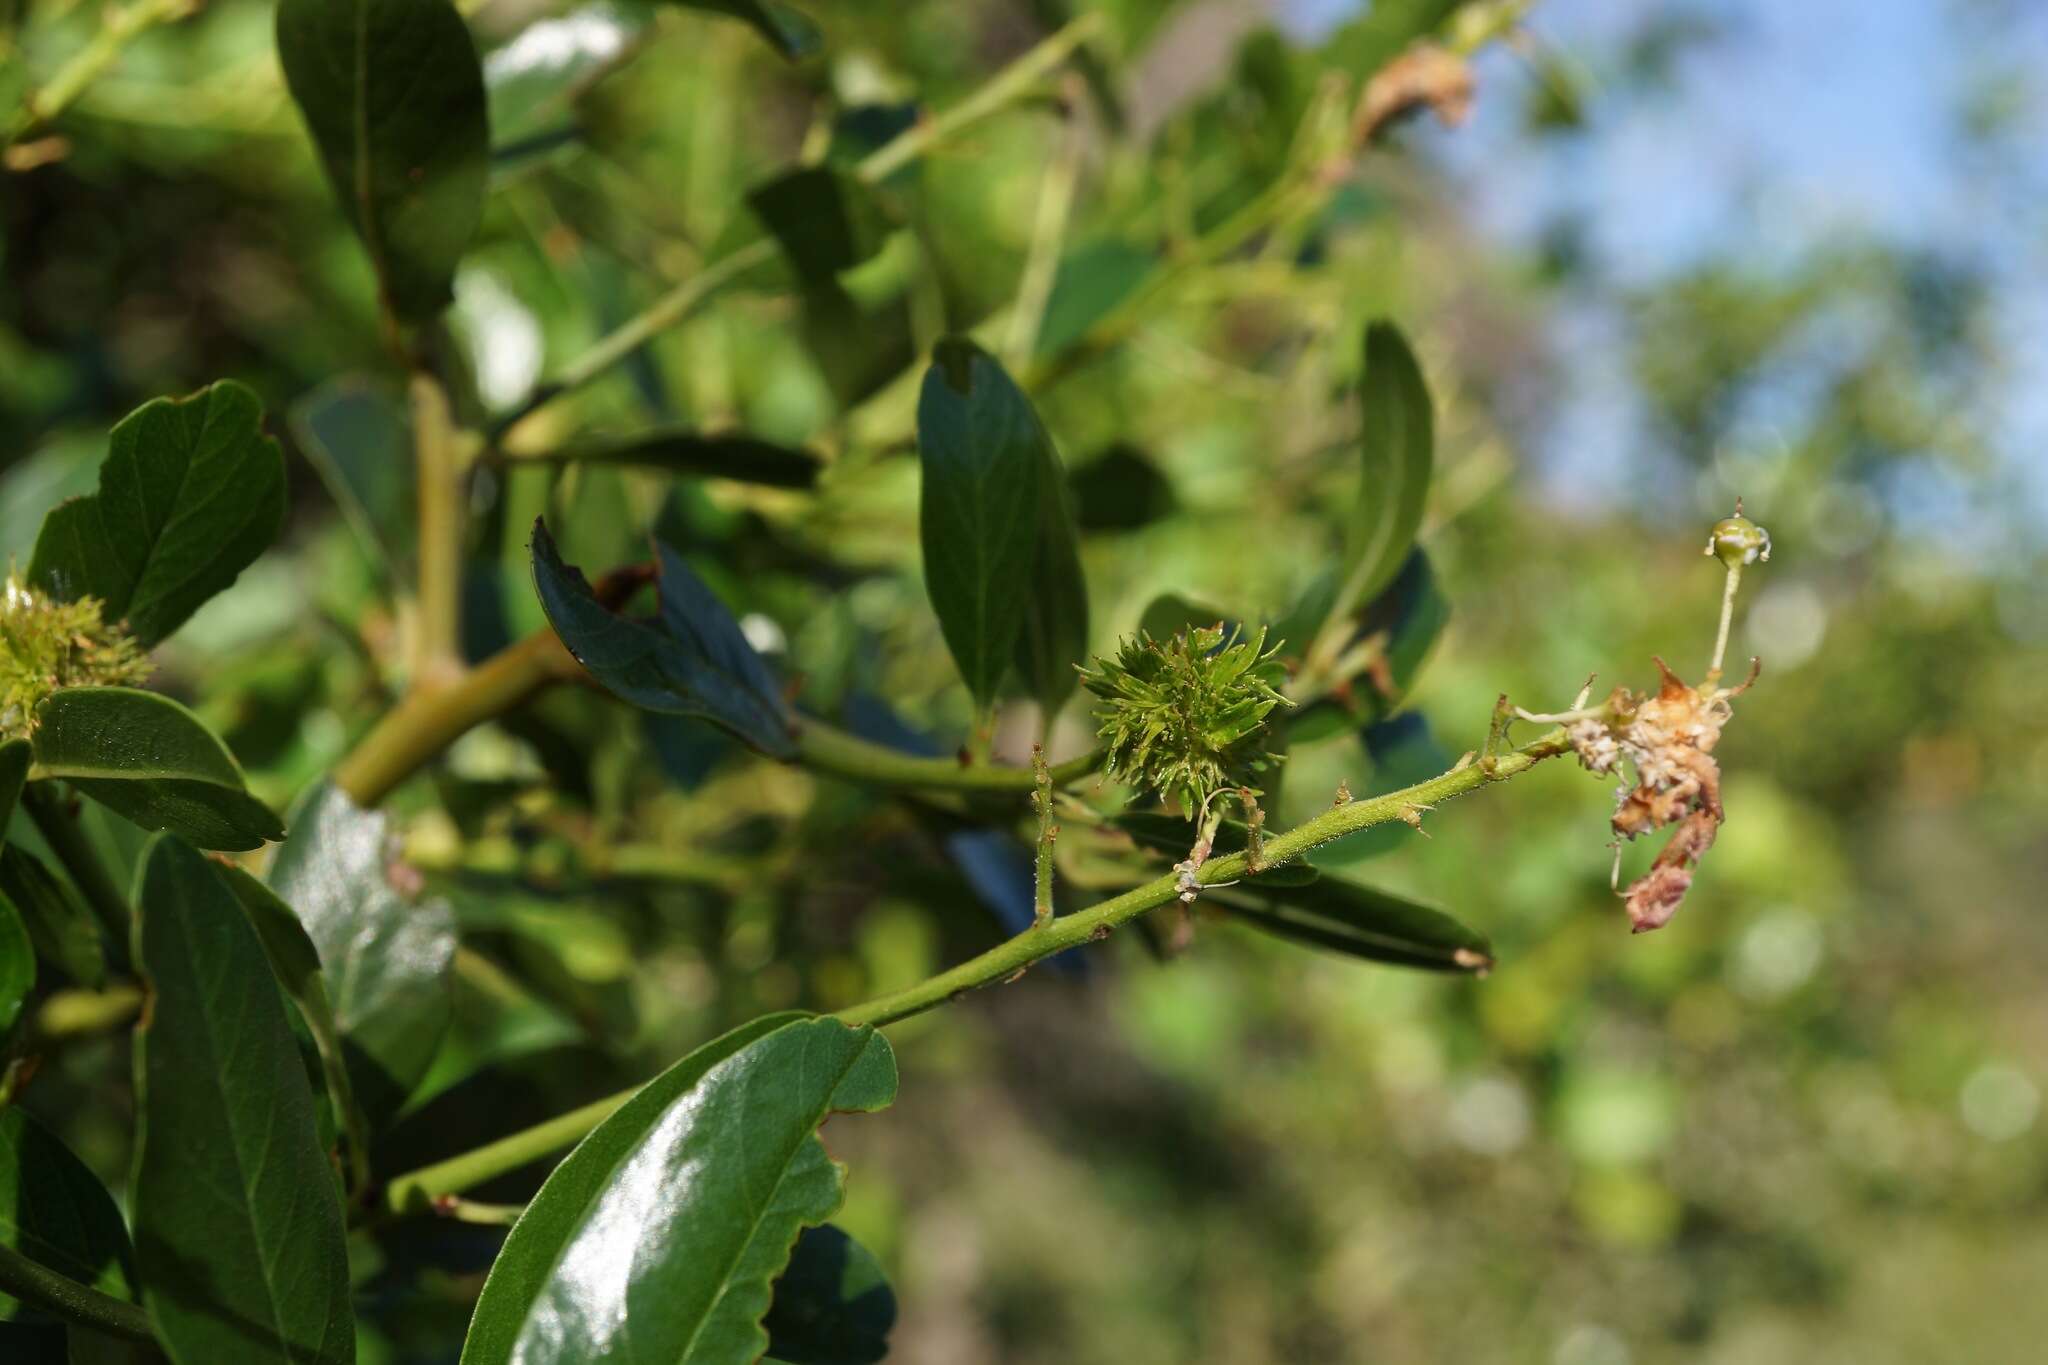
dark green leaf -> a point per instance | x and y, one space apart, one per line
691 660
15 757
788 30
238 1226
707 1174
1054 639
59 924
495 1019
833 1305
393 95
1396 453
190 493
1357 920
144 756
984 456
297 964
17 965
56 1212
357 437
825 220
730 455
384 951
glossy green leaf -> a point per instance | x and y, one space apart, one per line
984 455
788 30
296 963
833 1305
730 455
190 493
358 438
59 924
146 757
690 660
56 1212
1356 920
393 95
15 757
385 951
1397 448
17 965
707 1175
825 220
238 1225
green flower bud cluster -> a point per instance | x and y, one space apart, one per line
1185 716
46 645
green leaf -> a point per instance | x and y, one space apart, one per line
56 1212
1054 638
296 963
984 456
825 220
729 455
17 965
691 660
833 1305
393 95
707 1175
788 30
190 493
1361 922
146 757
358 439
238 1226
384 951
15 757
1396 452
59 924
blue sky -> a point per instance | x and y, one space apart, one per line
1797 124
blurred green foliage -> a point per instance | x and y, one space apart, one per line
1800 1124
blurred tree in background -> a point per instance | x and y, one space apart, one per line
1800 1124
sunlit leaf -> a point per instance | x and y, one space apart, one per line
190 493
706 1175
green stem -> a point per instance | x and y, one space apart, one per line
68 1299
67 841
437 461
1041 799
824 749
118 28
414 733
419 1191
